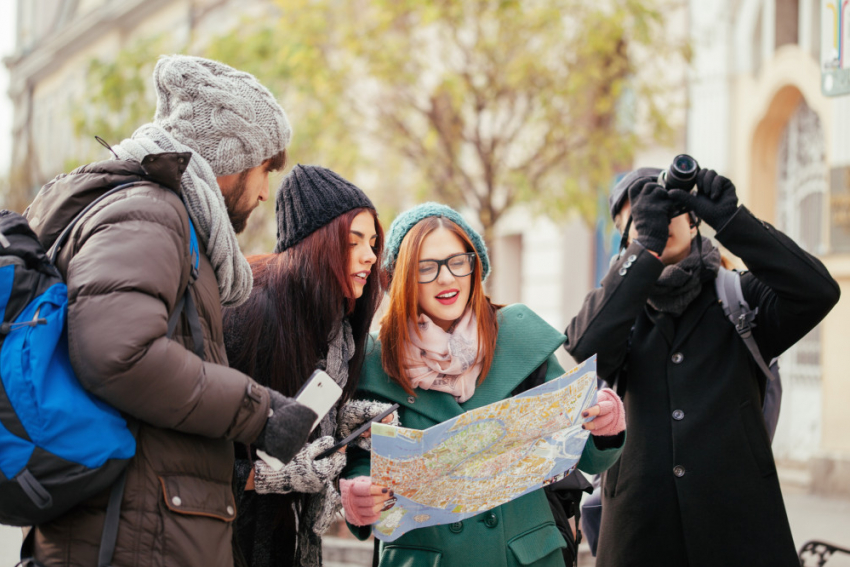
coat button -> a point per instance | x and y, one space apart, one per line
627 264
679 471
491 521
677 358
410 399
623 271
678 415
632 258
230 510
176 501
456 527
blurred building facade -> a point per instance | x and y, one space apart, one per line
56 40
755 112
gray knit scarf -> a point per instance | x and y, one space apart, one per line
206 207
681 283
322 507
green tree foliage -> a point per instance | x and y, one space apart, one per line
477 103
481 104
118 96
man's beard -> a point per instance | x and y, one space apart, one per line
236 211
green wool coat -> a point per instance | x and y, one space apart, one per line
520 532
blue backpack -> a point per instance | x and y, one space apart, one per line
59 444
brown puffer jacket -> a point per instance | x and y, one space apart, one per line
127 264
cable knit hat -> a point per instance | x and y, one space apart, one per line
310 197
225 115
408 219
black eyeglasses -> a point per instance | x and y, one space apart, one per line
460 265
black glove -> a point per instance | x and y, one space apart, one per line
287 427
715 202
651 206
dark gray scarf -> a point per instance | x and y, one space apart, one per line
322 507
681 283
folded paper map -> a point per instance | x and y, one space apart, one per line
484 457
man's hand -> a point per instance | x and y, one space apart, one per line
286 429
651 207
715 202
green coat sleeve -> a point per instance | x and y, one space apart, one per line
594 460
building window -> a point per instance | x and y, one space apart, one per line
802 180
787 22
801 191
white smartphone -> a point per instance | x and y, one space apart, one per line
319 393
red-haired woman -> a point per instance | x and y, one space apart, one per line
446 349
311 307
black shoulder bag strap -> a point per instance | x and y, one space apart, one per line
736 308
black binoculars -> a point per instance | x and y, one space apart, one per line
682 174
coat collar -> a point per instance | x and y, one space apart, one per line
525 341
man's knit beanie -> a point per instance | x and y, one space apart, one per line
310 197
408 219
225 115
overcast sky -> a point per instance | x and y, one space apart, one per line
7 45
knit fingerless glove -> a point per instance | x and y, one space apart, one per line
304 474
357 412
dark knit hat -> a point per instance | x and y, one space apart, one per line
620 192
309 198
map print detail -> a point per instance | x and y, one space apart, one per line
484 457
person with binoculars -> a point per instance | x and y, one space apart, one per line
696 483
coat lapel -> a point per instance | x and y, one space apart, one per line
663 322
693 314
525 342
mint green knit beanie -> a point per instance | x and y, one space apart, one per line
408 219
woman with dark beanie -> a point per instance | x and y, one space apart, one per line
311 307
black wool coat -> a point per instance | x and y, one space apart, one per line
696 484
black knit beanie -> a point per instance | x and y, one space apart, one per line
309 198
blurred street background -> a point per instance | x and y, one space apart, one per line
520 113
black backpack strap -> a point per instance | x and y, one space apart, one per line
110 523
735 307
63 236
28 551
187 305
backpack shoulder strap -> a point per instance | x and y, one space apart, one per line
186 303
737 310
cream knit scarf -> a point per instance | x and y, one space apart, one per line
206 207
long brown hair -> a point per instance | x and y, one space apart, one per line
280 334
404 303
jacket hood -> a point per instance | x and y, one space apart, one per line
63 198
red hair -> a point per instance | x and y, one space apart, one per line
404 303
